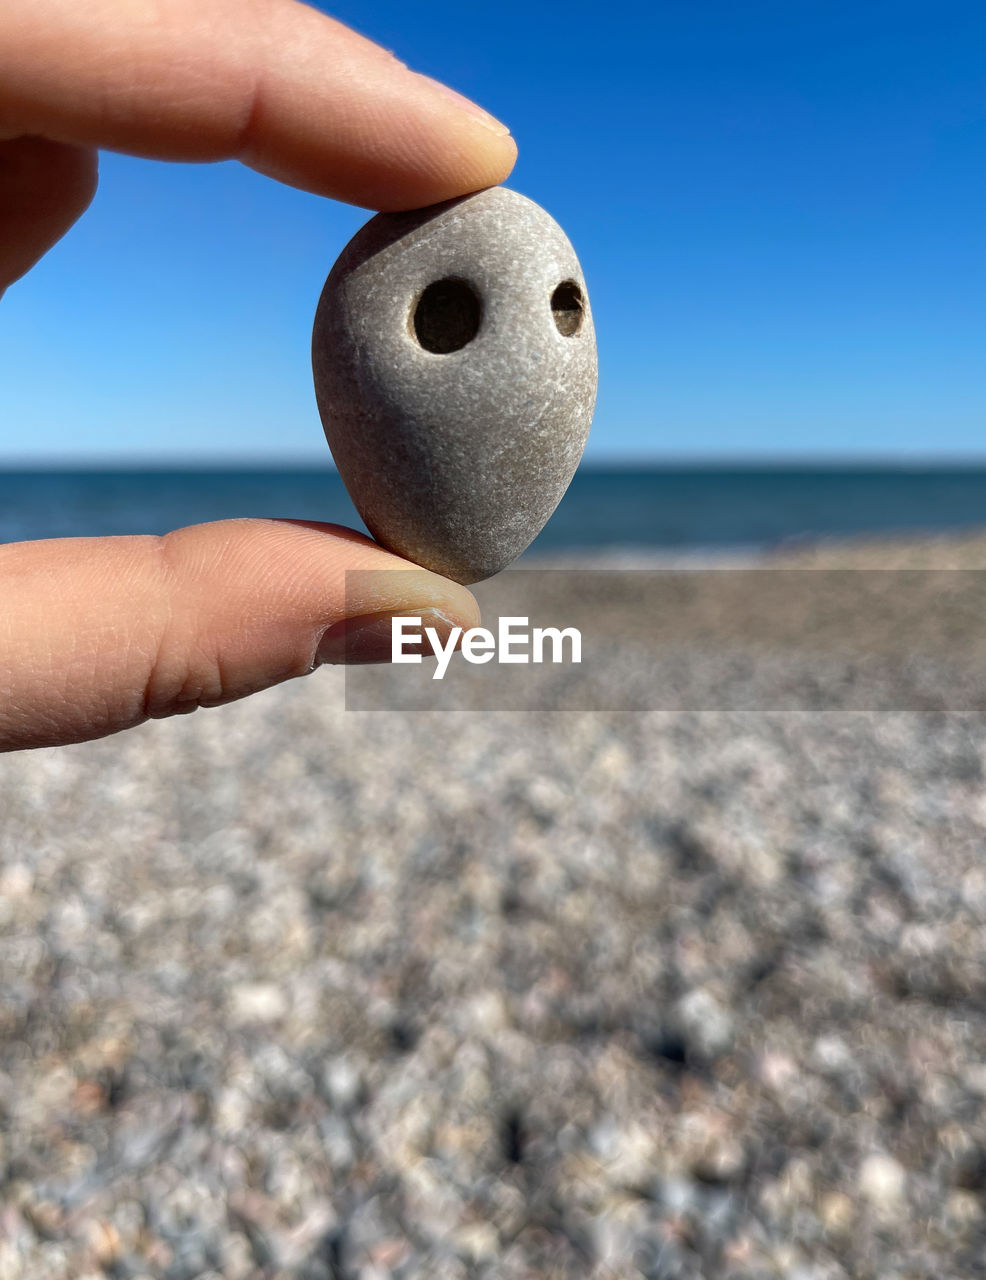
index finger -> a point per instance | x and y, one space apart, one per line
273 83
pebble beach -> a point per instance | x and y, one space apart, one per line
291 991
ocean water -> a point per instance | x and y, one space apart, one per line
666 508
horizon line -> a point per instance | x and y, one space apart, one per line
620 462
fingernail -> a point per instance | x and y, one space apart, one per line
467 104
369 637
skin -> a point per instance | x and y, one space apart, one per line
99 634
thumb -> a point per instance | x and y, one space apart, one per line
100 634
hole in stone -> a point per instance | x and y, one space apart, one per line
567 308
447 316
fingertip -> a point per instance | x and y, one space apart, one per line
408 142
373 579
45 187
463 104
454 146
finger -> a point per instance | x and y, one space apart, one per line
271 82
99 634
44 187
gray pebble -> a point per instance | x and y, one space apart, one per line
455 370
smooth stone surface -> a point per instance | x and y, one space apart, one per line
455 458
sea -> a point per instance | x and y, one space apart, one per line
676 509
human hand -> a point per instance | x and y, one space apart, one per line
99 634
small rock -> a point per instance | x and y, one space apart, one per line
777 1070
831 1055
342 1082
882 1181
705 1024
836 1212
257 1002
964 1207
455 370
628 1155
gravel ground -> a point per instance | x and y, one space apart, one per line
295 991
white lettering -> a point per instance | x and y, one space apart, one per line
478 645
557 639
397 638
444 656
507 638
509 644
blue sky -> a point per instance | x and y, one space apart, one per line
780 208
